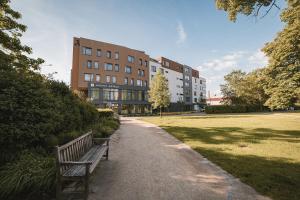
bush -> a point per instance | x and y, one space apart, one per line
234 109
32 176
105 113
106 127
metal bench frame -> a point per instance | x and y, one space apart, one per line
72 160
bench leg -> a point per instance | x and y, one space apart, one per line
86 182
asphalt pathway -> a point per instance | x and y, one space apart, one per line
146 163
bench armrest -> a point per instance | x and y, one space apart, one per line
75 163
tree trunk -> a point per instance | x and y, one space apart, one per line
160 112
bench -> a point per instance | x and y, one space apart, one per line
77 159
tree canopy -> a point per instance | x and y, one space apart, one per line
159 94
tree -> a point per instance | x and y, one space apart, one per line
242 88
282 74
159 95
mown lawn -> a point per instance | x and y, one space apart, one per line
263 150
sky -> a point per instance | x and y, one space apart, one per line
191 32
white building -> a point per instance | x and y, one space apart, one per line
174 79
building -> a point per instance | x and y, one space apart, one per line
186 87
214 101
111 75
118 77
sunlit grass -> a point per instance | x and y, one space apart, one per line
263 150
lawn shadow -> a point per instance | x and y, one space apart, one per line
277 178
232 135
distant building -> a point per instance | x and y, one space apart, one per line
118 77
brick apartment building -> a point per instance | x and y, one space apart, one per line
118 77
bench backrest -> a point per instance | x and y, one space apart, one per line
75 149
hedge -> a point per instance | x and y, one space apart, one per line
234 109
106 113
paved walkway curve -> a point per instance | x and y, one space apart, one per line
147 163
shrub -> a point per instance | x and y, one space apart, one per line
105 113
234 109
32 176
106 127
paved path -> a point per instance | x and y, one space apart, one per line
148 163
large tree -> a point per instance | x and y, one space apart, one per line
283 71
159 94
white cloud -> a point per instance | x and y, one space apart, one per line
181 33
258 58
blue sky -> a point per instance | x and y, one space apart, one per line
192 32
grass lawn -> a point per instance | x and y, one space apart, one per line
263 150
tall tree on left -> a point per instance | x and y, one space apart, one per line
13 55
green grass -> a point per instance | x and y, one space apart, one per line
263 150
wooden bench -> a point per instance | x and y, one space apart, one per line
77 159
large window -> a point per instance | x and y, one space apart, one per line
145 83
97 78
107 79
110 94
146 63
130 59
126 81
96 65
88 77
132 81
200 81
141 61
128 70
89 64
113 79
138 82
117 55
108 66
126 95
94 93
117 67
87 51
153 68
98 52
108 54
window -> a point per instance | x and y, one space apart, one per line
89 64
200 81
128 70
88 77
195 80
201 94
117 55
187 99
195 100
107 79
87 51
117 67
97 78
153 68
138 82
126 95
145 83
146 63
98 52
95 93
166 71
132 81
143 72
130 59
141 61
126 81
108 54
113 79
110 94
195 93
108 66
96 65
167 63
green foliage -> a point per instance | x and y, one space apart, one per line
105 127
282 74
242 88
106 113
234 109
32 176
159 94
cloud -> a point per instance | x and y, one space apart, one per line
181 33
258 58
215 69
